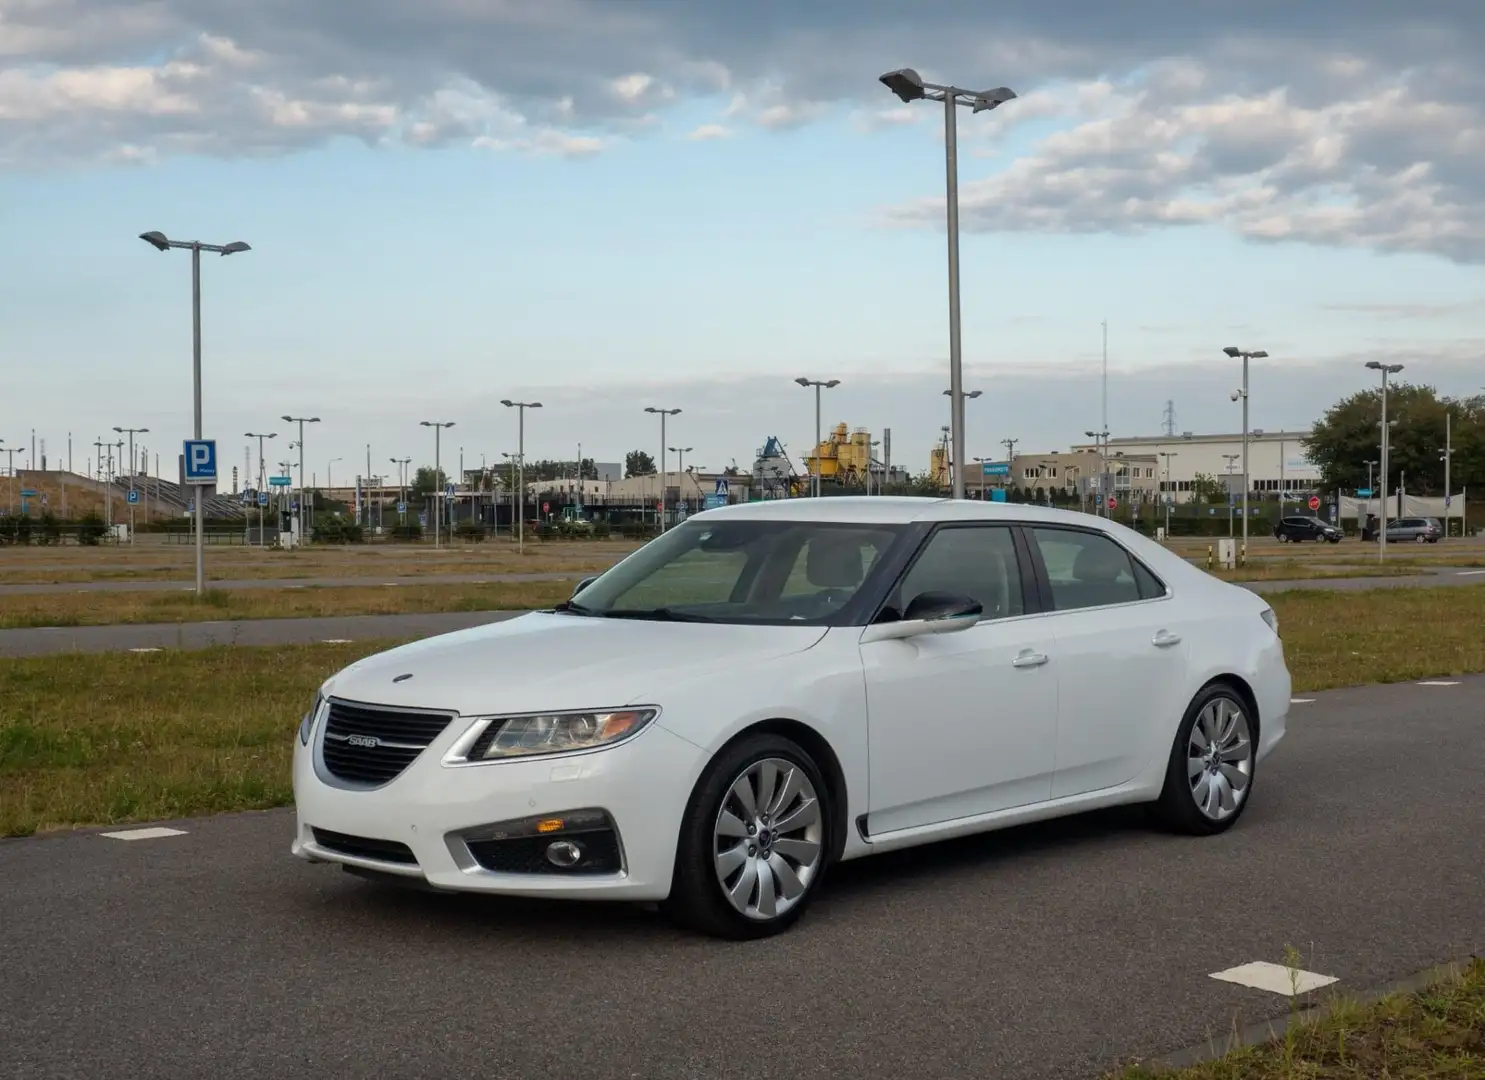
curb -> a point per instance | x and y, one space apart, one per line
1266 1031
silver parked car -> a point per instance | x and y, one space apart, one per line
1417 529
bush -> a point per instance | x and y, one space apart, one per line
601 530
91 529
470 530
406 530
51 529
337 530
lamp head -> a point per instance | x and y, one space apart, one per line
1233 351
157 239
906 83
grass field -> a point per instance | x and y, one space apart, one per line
98 609
114 737
1433 1034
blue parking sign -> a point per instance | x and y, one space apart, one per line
262 498
201 461
133 496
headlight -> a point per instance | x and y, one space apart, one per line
307 724
550 733
1271 618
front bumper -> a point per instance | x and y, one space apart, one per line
642 785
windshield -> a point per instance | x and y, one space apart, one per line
741 571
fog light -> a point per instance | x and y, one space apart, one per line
564 853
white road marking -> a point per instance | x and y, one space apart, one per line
1301 701
145 648
1439 682
1275 978
1469 573
154 833
336 641
390 584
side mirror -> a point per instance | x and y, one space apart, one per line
929 613
581 585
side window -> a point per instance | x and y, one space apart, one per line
1085 569
976 561
1150 585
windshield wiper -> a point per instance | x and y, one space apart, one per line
572 607
659 614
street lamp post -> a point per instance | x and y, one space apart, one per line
1231 458
402 464
437 426
680 465
1386 370
1256 354
132 432
909 86
1448 455
1100 446
160 242
956 428
1170 494
328 482
663 413
521 407
818 384
262 469
303 493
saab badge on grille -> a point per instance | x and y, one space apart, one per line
368 741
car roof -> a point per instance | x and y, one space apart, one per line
894 510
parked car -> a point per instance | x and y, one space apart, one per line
1294 530
1417 529
771 688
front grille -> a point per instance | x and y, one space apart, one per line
371 745
364 847
528 854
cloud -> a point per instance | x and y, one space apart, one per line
708 132
1358 124
1408 311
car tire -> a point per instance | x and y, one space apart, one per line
1178 809
762 867
1283 538
1335 539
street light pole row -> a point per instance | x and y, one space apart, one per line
663 413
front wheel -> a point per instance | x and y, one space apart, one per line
1209 778
754 843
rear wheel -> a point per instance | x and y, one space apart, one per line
1209 778
754 843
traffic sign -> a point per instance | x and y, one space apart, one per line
448 492
1362 493
280 481
402 508
546 508
191 506
1113 503
27 493
722 486
995 468
201 461
1448 501
262 498
714 501
1314 503
133 496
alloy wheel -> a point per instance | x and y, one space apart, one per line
1219 758
768 839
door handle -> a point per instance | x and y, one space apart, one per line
1164 639
1029 659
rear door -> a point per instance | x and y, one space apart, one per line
1121 654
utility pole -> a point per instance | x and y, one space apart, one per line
1103 475
437 426
1170 494
105 483
262 469
1385 369
303 490
818 384
521 407
132 432
1255 354
1447 455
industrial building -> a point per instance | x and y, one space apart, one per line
1277 461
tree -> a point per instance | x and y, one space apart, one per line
1348 436
425 482
1206 488
639 463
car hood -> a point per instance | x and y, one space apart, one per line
549 661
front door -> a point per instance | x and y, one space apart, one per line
962 723
1122 690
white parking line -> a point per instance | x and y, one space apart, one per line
336 641
1439 682
1301 701
1469 573
1275 978
156 832
145 648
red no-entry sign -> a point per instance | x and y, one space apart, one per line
1314 502
546 508
1113 503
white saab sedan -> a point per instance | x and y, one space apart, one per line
772 688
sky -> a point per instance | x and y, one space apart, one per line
604 205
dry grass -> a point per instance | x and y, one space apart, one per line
176 606
115 737
1437 1033
1380 635
1290 570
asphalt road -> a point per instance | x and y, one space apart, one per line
199 635
1045 952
